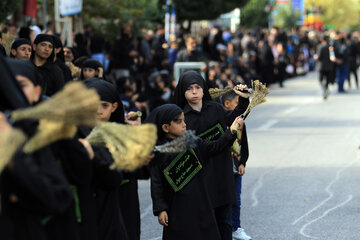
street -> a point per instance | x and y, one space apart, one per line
302 175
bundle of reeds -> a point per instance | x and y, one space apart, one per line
49 132
74 105
182 143
129 145
7 40
74 69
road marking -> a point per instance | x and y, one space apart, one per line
322 216
157 238
327 189
259 184
147 210
267 125
308 100
290 110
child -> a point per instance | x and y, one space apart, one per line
240 154
178 188
208 118
91 68
21 49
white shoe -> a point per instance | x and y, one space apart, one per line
240 234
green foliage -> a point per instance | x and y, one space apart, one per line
253 14
205 9
8 7
285 17
108 15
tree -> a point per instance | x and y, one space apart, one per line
253 14
285 17
341 14
8 7
204 9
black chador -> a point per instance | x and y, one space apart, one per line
184 197
211 119
106 182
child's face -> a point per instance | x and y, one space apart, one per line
31 91
89 73
230 105
194 94
105 110
22 52
176 127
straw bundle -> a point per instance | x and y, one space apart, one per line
74 69
129 145
74 105
216 92
47 133
9 143
259 93
7 40
182 143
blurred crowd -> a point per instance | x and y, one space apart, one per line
142 65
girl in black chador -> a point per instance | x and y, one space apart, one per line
178 188
208 118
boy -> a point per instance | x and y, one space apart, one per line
240 154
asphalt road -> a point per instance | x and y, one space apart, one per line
303 174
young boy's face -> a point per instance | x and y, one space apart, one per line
105 110
43 49
176 127
22 52
31 91
194 93
89 73
231 104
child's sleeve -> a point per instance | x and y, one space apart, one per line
157 190
209 148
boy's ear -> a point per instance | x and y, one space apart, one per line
13 52
165 127
226 103
114 107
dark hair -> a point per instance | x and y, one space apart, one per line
228 96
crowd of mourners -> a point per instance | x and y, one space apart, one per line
58 193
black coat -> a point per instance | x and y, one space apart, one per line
219 175
65 69
52 78
32 191
189 210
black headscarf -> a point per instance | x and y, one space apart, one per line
2 50
44 38
18 42
108 93
163 114
90 63
58 44
186 79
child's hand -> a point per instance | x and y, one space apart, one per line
88 148
237 124
133 118
148 159
241 170
163 218
238 88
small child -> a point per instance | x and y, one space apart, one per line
178 188
240 154
91 68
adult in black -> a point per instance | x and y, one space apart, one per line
42 58
59 58
190 53
353 55
208 118
326 66
267 63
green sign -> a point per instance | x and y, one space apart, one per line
182 169
213 133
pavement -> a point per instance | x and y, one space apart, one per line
302 177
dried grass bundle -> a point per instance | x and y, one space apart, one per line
47 133
182 143
10 142
259 96
217 92
7 40
129 145
74 105
74 69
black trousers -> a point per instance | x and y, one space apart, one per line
223 215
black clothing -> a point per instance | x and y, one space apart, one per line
189 210
32 191
52 78
24 68
120 58
184 56
65 70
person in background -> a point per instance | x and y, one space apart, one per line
21 49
